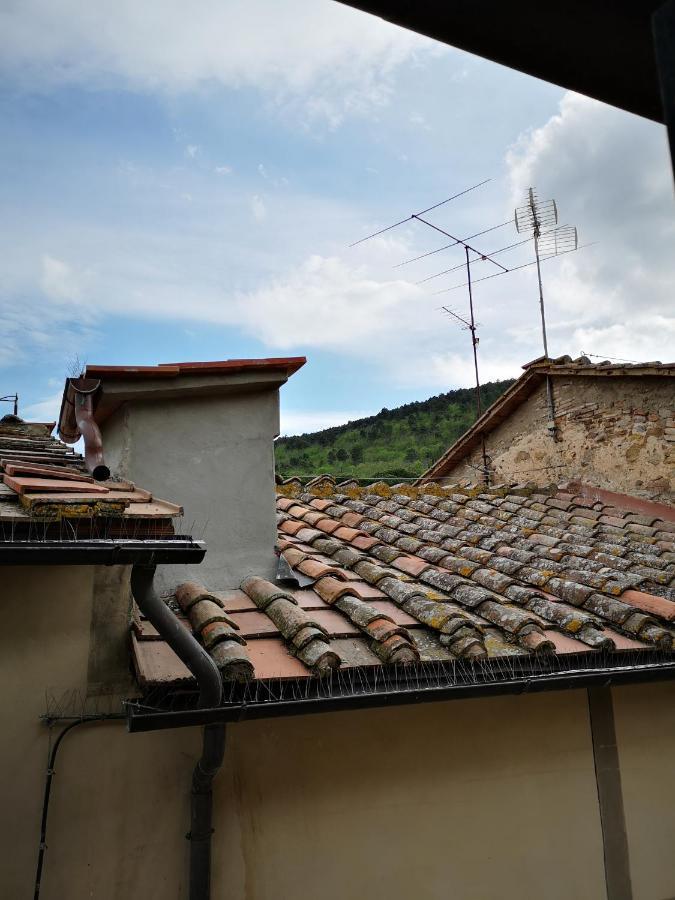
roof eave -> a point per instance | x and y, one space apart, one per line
92 552
511 399
621 667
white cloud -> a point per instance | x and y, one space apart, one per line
297 422
332 59
263 171
258 208
457 369
58 280
223 170
327 303
610 175
612 299
46 410
192 150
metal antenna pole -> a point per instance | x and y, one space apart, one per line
530 219
474 339
536 234
474 342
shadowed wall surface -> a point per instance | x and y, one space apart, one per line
474 799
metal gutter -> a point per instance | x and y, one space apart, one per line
141 718
106 552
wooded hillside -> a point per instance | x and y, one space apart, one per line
395 443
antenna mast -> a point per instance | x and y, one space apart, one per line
468 248
531 219
471 327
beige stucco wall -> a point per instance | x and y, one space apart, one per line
469 799
613 433
215 457
472 799
645 729
120 805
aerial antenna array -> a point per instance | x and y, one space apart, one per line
469 249
537 221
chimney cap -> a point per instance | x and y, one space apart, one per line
289 364
210 377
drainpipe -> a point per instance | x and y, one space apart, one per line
93 442
198 661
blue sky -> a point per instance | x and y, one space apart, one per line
183 184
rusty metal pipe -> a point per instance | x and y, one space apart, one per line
91 433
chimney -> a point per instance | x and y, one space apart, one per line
201 434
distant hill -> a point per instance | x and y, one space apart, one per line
395 443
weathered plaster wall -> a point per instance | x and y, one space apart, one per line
645 729
613 433
474 799
215 457
469 799
120 803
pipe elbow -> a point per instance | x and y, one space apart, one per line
186 647
91 434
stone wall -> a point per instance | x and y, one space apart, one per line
613 433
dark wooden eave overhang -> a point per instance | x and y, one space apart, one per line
604 50
620 52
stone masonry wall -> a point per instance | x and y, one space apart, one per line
616 433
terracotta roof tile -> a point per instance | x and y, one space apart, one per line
328 525
347 534
447 575
271 659
363 542
411 565
43 479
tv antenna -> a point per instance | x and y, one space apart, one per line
531 220
422 212
538 219
471 326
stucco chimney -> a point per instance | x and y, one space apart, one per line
202 435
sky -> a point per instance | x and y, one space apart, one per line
183 181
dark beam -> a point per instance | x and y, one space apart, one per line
604 50
93 552
610 794
663 24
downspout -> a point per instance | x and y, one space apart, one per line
91 433
198 661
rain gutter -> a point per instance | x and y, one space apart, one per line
139 718
105 552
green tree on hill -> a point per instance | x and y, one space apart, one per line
396 443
